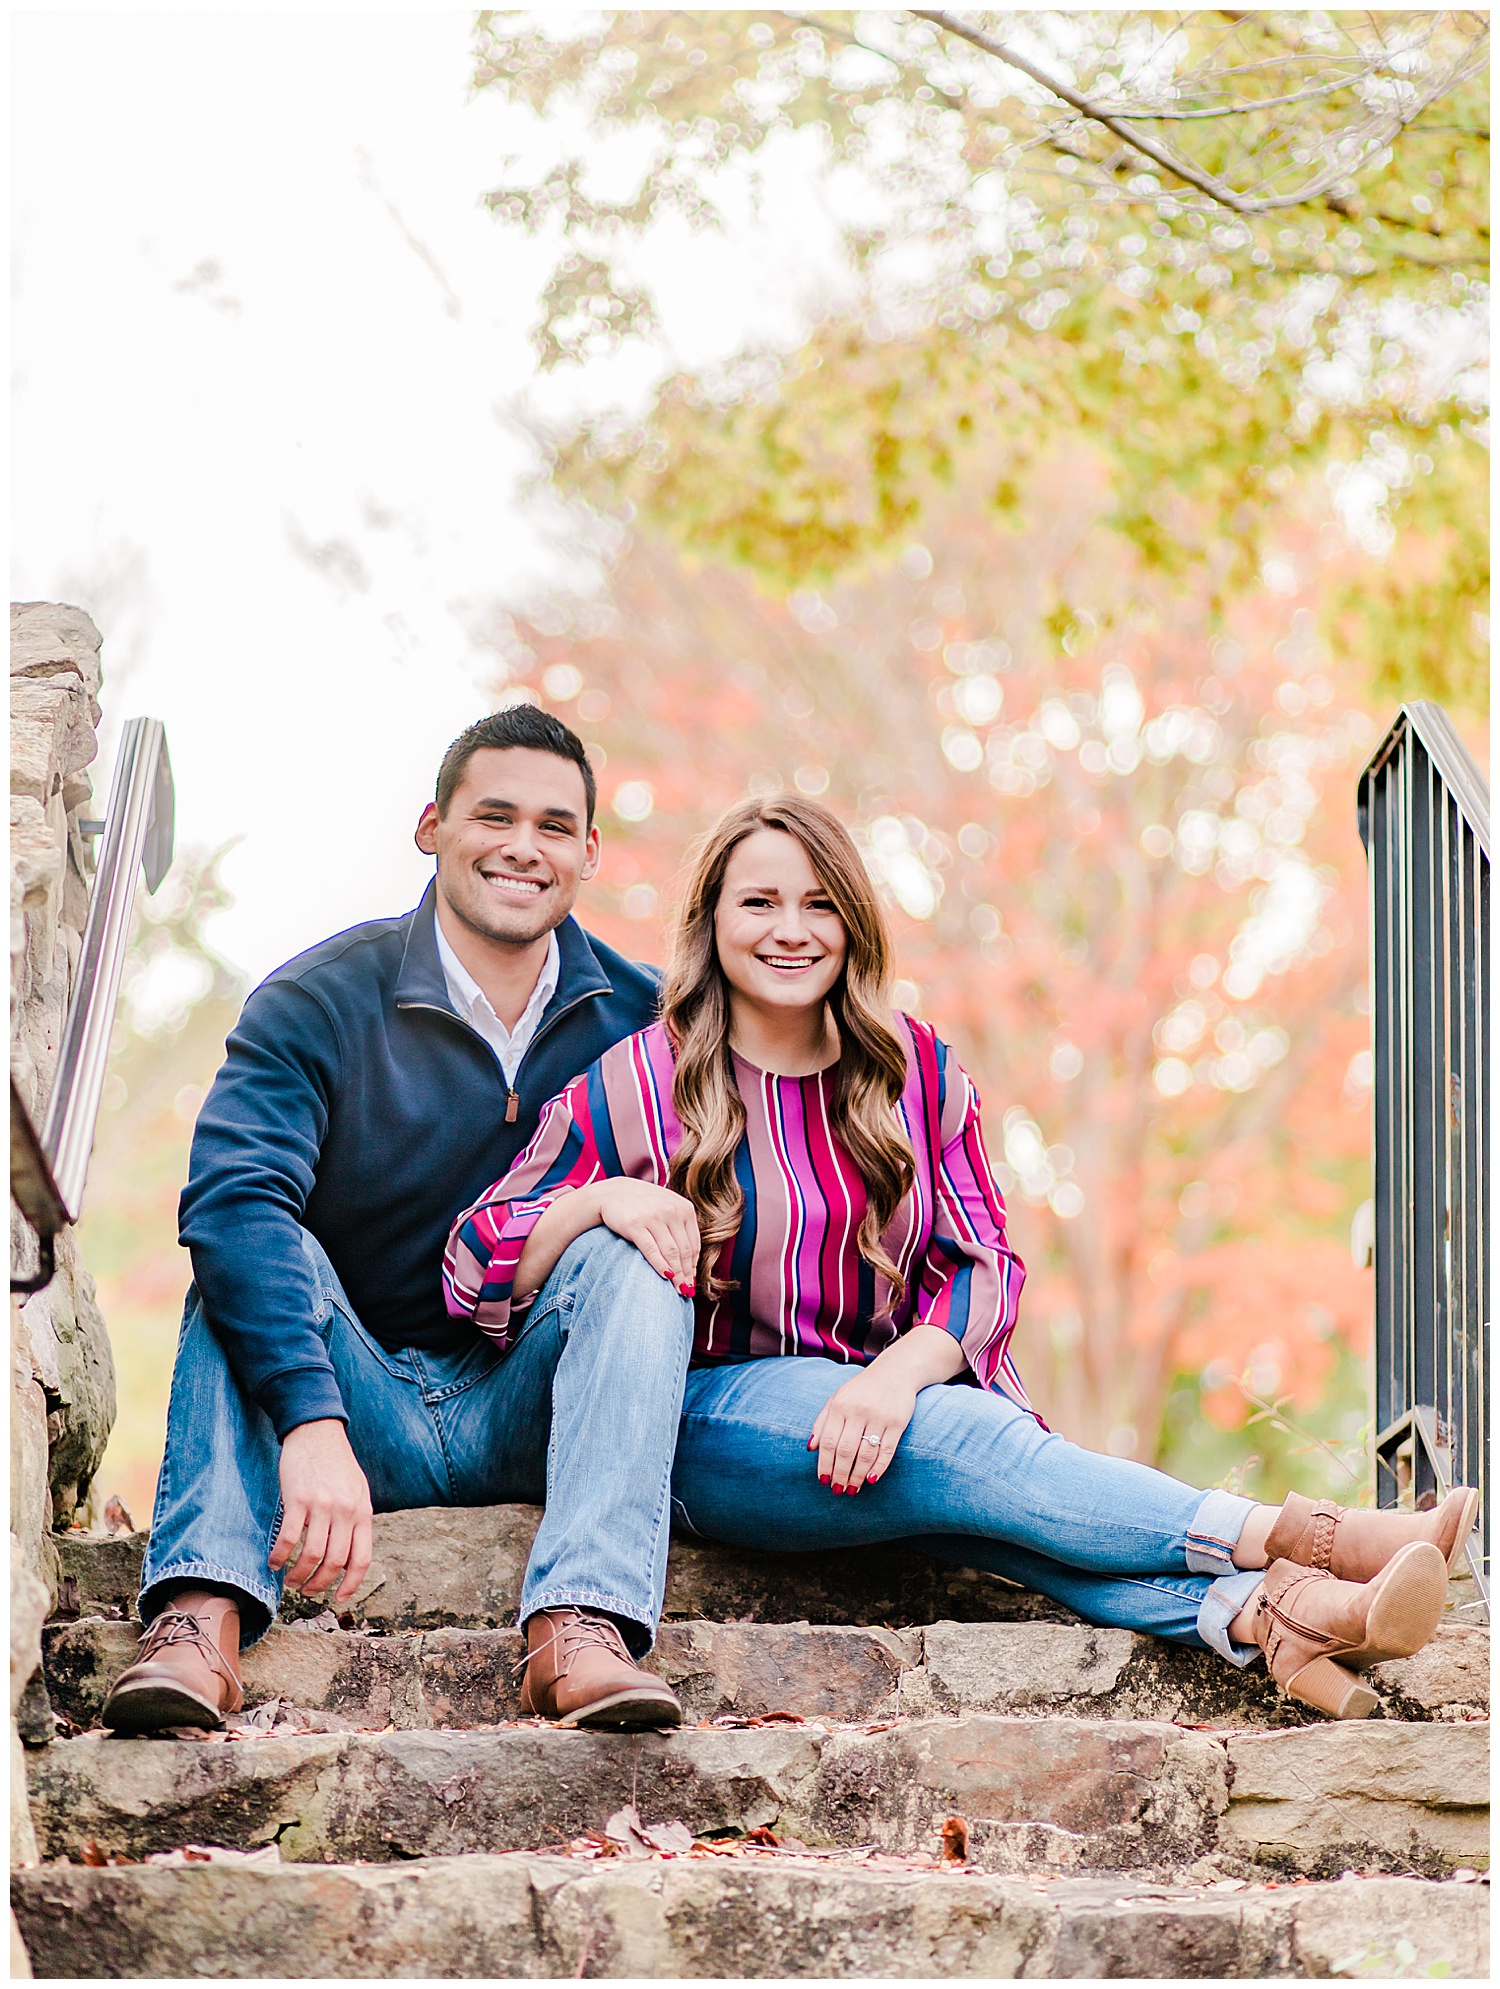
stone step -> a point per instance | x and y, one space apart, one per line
442 1566
460 1678
1052 1793
697 1916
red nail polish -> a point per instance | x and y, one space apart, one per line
871 1479
822 1480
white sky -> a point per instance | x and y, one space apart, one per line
230 353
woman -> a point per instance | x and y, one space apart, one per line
809 1169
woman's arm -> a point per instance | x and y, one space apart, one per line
969 1280
502 1249
661 1225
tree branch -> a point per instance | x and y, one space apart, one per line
1217 190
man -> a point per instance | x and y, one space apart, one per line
372 1089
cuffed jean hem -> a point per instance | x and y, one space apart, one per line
592 1598
1218 1610
1217 1526
180 1572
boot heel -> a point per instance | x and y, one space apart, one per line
1329 1688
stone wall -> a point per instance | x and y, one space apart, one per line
62 1376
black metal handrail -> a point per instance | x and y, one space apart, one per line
1424 821
48 1169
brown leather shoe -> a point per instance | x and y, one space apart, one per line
1354 1546
579 1673
1318 1632
186 1673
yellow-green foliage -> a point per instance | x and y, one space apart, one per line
1224 360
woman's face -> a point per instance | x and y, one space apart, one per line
781 943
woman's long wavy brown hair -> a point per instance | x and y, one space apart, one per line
872 1062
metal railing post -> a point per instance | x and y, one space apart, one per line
48 1170
1424 820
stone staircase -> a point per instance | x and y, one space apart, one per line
890 1769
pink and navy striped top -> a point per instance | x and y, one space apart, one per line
798 1284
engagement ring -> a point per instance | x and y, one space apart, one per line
867 1438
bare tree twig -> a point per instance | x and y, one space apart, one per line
1380 131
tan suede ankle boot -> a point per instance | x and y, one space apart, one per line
1318 1632
1355 1545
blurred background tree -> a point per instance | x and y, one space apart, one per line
1286 283
1129 468
1063 559
1119 850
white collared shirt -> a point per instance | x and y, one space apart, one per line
472 1003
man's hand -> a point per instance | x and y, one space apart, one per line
663 1226
326 1497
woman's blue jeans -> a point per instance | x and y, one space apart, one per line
975 1482
580 1413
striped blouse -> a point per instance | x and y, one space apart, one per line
797 1283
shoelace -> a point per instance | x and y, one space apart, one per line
176 1626
575 1633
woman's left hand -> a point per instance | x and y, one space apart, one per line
859 1427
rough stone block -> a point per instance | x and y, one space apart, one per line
1449 1679
131 1797
1366 1795
1352 1929
51 737
517 1916
36 856
30 1513
1055 1792
456 1567
28 1606
434 1794
1008 1667
48 639
1074 1668
815 1671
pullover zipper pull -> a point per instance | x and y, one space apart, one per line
512 1107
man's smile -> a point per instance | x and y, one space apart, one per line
513 887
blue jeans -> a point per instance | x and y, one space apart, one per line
974 1482
580 1413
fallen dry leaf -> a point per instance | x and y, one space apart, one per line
756 1720
639 1840
216 1854
954 1839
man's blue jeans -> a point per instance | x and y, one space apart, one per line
581 1413
975 1482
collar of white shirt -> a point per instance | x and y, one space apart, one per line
473 1004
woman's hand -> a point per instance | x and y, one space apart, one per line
661 1225
860 1425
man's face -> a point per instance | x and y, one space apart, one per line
514 846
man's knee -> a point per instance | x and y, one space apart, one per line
608 1276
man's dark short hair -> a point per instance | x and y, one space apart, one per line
521 725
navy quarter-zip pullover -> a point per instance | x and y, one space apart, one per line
354 1102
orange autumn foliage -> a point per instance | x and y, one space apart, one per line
1118 842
